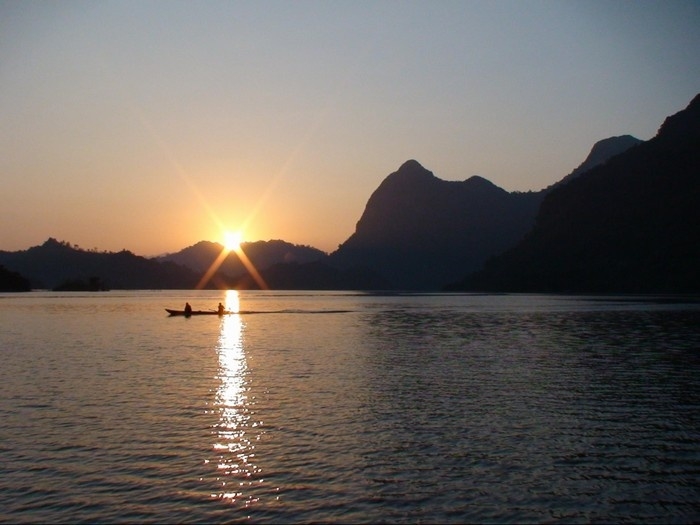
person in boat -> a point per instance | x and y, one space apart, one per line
220 309
188 309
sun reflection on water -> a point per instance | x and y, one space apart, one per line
234 446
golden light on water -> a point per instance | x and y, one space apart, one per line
232 302
233 447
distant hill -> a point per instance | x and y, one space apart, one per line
262 254
57 264
282 266
631 224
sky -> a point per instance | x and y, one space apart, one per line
152 125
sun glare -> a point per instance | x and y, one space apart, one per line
232 240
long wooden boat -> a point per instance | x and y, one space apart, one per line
196 312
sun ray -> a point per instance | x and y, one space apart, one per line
212 269
245 260
252 270
166 150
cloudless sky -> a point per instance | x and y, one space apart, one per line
152 125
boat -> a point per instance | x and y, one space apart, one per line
196 312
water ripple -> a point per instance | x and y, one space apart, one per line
395 409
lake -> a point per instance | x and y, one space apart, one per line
349 408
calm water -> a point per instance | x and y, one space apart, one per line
341 407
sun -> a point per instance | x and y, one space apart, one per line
232 240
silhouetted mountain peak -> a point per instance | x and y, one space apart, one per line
477 179
206 247
683 126
600 153
411 171
411 165
477 183
412 176
53 247
207 244
53 244
606 148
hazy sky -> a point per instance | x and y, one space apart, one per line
151 125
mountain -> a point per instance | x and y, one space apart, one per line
602 151
631 224
419 232
281 265
57 264
262 254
